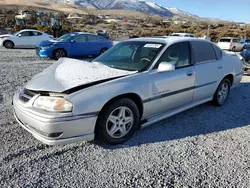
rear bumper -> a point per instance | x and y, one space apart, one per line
54 131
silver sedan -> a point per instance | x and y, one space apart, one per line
134 84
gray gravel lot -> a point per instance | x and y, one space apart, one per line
203 147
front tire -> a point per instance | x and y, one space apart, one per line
8 44
117 122
59 53
222 93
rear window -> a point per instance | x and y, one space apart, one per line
218 52
203 51
225 40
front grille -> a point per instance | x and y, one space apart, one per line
25 95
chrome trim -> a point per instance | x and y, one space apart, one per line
176 92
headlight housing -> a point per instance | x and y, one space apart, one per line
53 104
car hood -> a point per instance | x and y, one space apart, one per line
69 73
49 42
4 36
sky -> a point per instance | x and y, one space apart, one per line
230 10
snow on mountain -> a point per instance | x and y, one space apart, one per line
137 5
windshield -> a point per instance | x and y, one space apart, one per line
66 37
131 55
248 40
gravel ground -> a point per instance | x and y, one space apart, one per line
202 147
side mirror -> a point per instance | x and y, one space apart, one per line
72 41
166 67
19 35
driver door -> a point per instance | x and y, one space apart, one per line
80 46
24 39
171 90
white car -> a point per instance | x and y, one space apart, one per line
230 44
182 35
132 85
27 38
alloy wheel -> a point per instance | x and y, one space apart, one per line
119 122
223 92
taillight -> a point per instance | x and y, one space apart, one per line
231 44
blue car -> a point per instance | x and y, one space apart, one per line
74 45
246 43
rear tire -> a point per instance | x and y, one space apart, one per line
8 44
59 53
111 127
234 49
222 93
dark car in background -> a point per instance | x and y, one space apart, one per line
74 45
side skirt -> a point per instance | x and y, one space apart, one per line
168 114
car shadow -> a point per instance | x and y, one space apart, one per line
201 120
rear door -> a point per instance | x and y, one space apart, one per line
208 69
36 38
96 44
238 44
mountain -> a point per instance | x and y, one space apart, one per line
137 5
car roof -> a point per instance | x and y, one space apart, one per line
167 39
183 33
30 30
229 38
80 33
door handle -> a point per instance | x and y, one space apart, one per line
190 74
220 67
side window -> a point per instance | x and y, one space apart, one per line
35 33
26 34
178 54
92 38
203 51
218 52
80 38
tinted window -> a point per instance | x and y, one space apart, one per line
26 34
80 38
225 40
92 38
218 52
35 33
247 40
203 51
178 54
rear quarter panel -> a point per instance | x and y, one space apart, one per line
233 65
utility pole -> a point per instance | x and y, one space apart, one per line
208 30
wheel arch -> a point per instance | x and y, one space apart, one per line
132 96
60 48
8 40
